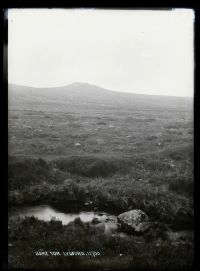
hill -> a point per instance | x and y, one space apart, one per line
87 96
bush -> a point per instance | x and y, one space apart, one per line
91 166
182 186
26 172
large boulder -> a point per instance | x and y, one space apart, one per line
134 221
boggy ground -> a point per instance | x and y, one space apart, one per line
116 159
165 193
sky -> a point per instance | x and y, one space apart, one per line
139 51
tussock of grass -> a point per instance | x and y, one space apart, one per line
26 172
182 186
92 166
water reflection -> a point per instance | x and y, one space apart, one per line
46 213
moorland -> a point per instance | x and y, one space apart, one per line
118 151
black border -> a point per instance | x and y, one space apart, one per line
155 4
4 144
102 4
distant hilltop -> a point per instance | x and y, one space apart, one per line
85 85
87 95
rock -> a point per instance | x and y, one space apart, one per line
134 221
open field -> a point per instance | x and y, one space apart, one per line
102 126
117 151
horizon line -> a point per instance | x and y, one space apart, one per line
86 83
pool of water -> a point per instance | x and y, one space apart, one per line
46 213
107 221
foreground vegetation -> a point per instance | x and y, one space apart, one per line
143 253
162 187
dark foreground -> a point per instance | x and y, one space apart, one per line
155 250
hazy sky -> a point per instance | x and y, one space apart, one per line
126 50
